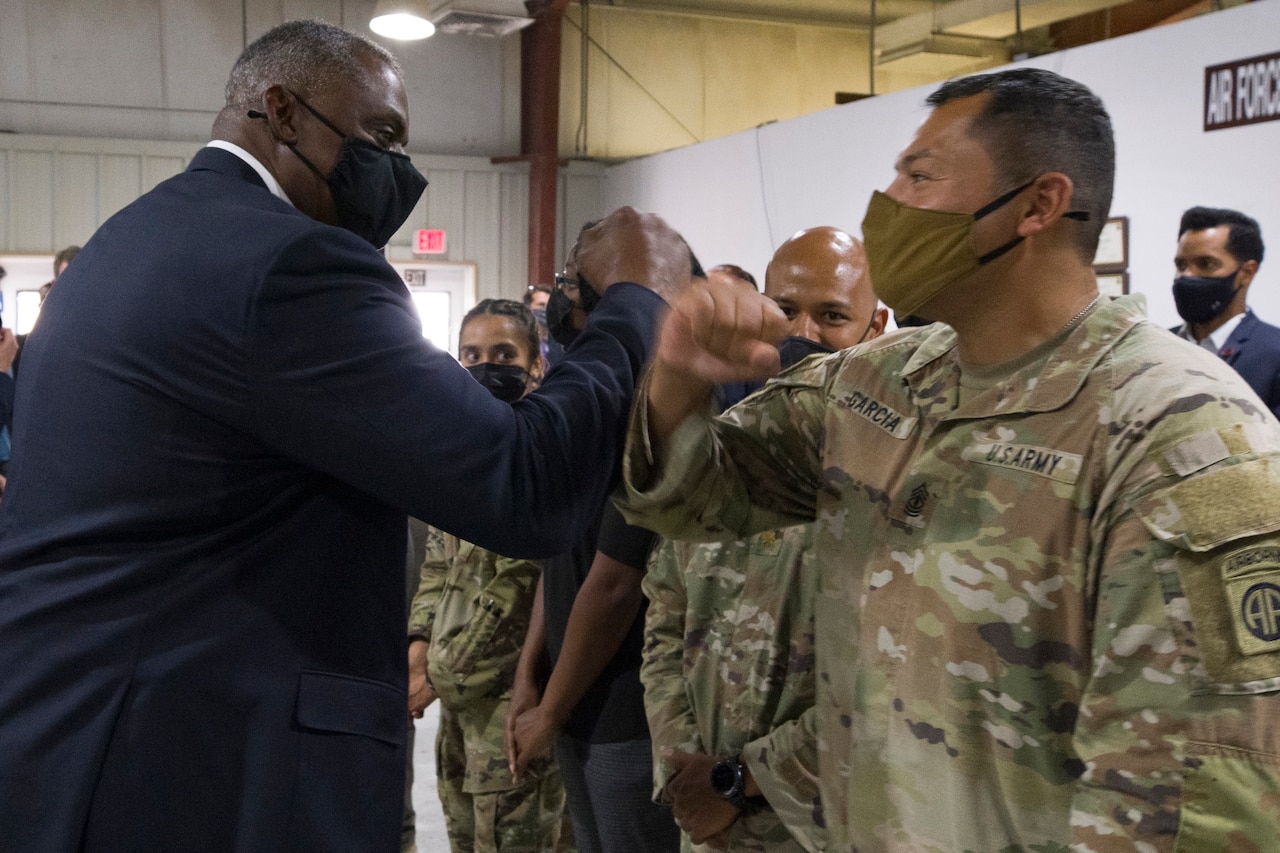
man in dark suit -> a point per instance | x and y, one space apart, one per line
202 547
1219 252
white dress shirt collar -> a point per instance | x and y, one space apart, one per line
1218 337
267 178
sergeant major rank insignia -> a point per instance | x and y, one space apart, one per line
910 510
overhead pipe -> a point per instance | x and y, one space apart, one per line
540 129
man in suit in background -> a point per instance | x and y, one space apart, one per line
1219 252
202 592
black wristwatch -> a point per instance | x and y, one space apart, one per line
729 781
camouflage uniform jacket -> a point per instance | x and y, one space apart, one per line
1047 617
473 607
728 669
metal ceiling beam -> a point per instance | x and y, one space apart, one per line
855 19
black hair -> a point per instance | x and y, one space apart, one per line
523 317
1244 236
527 299
1036 121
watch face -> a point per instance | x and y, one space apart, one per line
723 778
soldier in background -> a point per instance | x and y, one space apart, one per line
728 659
1048 533
466 628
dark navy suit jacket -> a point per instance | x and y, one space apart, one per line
1253 349
226 412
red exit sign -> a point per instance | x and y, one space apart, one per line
429 241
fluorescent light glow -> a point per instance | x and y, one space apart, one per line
403 26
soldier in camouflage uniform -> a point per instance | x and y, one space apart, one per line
728 665
473 608
471 611
1048 537
728 671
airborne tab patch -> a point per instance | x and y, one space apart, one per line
1253 591
893 422
1044 461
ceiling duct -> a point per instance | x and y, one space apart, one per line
942 54
978 20
487 18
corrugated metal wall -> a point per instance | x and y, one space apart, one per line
55 191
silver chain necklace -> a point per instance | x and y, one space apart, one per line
1083 311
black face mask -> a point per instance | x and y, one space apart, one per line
373 190
795 349
560 306
504 381
1200 298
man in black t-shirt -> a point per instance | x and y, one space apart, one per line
592 706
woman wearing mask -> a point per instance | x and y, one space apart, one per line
466 628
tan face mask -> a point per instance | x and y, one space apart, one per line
914 253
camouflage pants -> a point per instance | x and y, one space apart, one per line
523 819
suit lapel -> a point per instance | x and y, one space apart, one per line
1239 338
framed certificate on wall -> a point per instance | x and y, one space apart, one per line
1113 246
1113 283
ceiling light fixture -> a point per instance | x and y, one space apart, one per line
401 19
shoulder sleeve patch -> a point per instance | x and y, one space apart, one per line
1224 524
1207 511
1233 599
1252 579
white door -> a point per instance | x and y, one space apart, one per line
443 292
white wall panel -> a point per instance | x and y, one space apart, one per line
481 228
31 200
76 198
157 169
119 182
513 212
446 207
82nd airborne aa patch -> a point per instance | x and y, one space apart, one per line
1252 578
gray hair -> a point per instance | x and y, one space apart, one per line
306 57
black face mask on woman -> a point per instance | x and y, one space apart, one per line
1200 298
373 190
504 381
